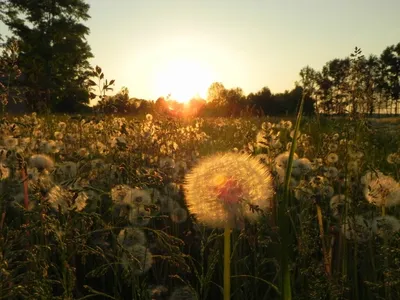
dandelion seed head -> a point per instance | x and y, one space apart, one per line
357 229
141 260
382 190
332 158
149 117
178 215
337 202
137 197
131 236
385 226
215 188
41 162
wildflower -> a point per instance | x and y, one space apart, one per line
216 187
41 162
357 229
131 236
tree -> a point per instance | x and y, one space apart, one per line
390 59
54 53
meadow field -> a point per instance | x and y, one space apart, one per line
112 207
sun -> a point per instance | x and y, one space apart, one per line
183 79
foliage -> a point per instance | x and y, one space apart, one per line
53 53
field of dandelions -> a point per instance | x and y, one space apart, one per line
122 208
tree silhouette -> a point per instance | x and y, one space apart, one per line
53 54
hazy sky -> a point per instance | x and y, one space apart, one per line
159 46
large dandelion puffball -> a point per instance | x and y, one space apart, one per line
220 188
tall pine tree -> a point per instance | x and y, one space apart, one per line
54 52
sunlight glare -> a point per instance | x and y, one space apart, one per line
183 79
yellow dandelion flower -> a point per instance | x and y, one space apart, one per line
218 187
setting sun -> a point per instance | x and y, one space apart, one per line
183 79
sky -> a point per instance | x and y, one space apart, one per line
156 47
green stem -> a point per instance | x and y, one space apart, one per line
227 262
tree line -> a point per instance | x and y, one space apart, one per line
45 65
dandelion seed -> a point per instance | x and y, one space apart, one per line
137 197
179 215
139 260
216 187
62 126
332 158
149 117
41 162
266 126
58 197
301 167
131 236
357 229
331 172
337 202
353 166
292 134
58 135
332 147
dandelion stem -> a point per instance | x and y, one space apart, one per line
227 262
322 235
